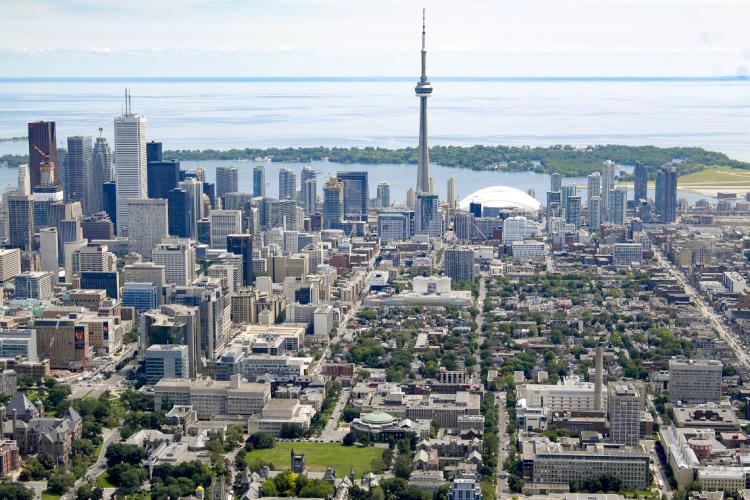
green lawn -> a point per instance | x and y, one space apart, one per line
103 481
320 455
718 175
46 495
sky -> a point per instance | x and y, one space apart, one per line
262 38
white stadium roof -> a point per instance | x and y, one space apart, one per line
501 197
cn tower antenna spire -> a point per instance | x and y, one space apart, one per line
423 91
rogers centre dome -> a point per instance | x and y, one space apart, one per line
501 197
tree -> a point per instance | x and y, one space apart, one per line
15 491
60 482
349 439
57 394
127 477
291 431
261 440
349 413
124 453
88 492
402 467
234 437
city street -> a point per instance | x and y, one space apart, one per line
331 431
705 309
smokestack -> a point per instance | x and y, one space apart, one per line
598 378
15 416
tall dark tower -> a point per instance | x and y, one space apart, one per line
423 91
42 149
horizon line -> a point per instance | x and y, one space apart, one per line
106 79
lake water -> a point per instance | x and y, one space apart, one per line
226 113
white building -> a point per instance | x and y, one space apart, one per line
518 228
166 361
695 381
34 285
147 225
178 258
48 252
130 164
570 394
10 262
527 249
213 397
18 342
734 281
323 320
625 254
224 223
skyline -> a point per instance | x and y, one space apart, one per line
336 38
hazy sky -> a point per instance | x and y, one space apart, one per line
375 37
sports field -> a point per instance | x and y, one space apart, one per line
318 456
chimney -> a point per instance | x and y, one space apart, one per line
598 378
14 413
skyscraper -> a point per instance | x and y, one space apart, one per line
21 221
594 189
224 223
459 263
154 151
259 180
595 212
147 225
307 174
384 195
226 180
423 90
624 405
428 219
42 148
242 244
102 171
310 196
666 194
618 206
555 181
79 181
24 182
333 203
162 177
411 198
566 193
356 194
451 193
109 200
640 180
287 184
130 163
608 184
573 211
179 213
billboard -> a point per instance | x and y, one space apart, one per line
80 337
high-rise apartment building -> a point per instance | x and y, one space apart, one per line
147 225
573 211
624 409
310 196
594 188
555 182
333 203
428 219
451 193
24 181
595 212
356 194
21 221
79 178
259 180
42 149
695 381
384 195
226 180
618 206
287 184
608 183
666 194
459 263
640 181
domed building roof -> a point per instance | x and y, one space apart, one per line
501 197
378 418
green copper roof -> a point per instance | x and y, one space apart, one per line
378 417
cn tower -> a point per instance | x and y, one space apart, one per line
423 91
